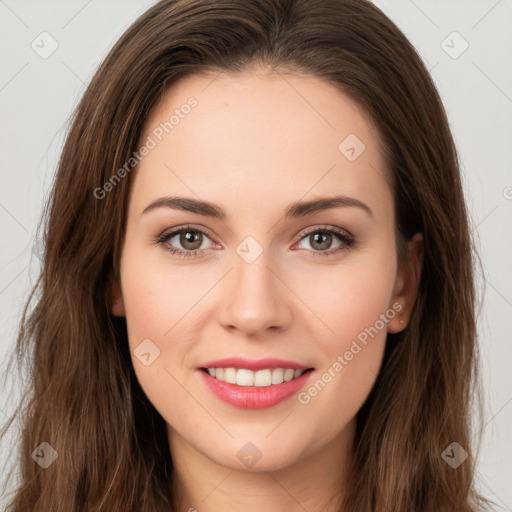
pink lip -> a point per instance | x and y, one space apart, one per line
260 364
254 397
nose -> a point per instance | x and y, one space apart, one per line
254 297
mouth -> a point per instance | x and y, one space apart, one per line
245 377
248 389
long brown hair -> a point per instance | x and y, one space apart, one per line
83 397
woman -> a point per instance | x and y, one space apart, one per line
257 290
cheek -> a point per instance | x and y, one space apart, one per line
351 296
354 306
158 306
157 296
156 301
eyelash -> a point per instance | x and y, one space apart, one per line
346 239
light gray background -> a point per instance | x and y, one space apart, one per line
37 96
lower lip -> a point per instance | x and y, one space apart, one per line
254 397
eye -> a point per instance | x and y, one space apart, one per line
191 239
321 239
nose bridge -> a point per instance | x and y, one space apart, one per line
254 297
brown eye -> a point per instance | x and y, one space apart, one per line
186 241
321 240
190 239
326 241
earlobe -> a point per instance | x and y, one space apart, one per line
116 299
406 285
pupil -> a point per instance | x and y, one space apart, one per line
317 238
191 237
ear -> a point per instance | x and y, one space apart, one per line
116 298
406 285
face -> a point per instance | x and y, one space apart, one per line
253 278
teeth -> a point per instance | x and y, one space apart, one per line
277 376
260 378
288 374
244 377
230 375
263 378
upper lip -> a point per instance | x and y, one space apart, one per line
251 364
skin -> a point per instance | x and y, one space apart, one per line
255 143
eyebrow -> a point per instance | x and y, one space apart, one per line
294 210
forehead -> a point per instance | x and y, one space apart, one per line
254 134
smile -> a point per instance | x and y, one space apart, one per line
261 378
256 389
